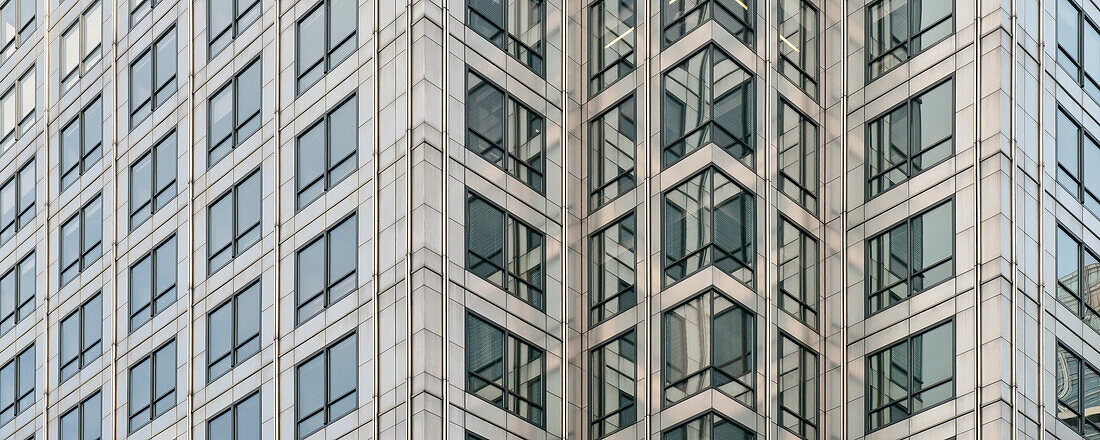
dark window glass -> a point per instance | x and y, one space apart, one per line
233 332
326 37
798 44
1078 152
327 386
153 283
81 143
611 270
681 17
17 288
611 25
81 240
611 156
505 370
613 385
241 421
233 222
81 45
84 421
327 269
707 98
797 274
1076 385
798 400
1078 43
512 140
708 342
708 220
911 257
910 376
153 180
709 426
81 337
153 77
152 386
327 152
798 157
911 138
1078 285
901 29
234 112
227 20
505 251
524 20
17 385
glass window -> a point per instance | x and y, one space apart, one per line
911 138
798 44
611 270
1078 36
17 106
17 379
28 99
1077 152
327 268
707 98
708 342
326 37
504 250
512 141
228 19
81 45
241 421
233 331
84 421
901 29
710 426
1078 285
17 201
153 283
611 26
525 28
326 386
911 257
153 180
153 77
798 278
611 156
234 113
233 222
81 143
613 385
17 292
81 240
505 370
910 376
798 157
152 386
17 22
327 152
681 17
81 337
138 9
798 398
1076 383
708 220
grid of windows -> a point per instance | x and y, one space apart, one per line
901 29
611 25
707 98
611 270
17 108
710 426
153 180
613 385
233 331
17 288
153 283
327 268
1078 151
84 421
241 421
911 376
504 250
81 337
82 239
708 220
1078 43
17 385
798 44
17 24
17 201
81 143
611 153
234 112
911 257
227 19
1077 269
233 221
798 398
797 156
326 37
327 152
505 132
708 342
517 26
1075 384
152 386
505 370
326 386
81 45
153 77
798 281
910 138
681 17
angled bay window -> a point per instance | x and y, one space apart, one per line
234 112
17 385
327 269
17 288
1078 151
797 388
326 152
611 153
81 336
505 370
17 24
227 19
1075 384
678 18
1078 43
797 273
505 132
710 426
153 180
798 44
81 45
233 222
17 107
797 156
81 143
707 98
1078 270
517 26
708 220
152 386
84 421
153 283
153 77
241 421
81 240
326 37
326 386
911 257
708 342
613 385
504 250
233 331
911 376
611 27
17 205
901 29
911 138
611 270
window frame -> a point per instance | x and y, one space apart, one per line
596 197
232 412
21 219
234 247
508 38
706 10
82 262
812 421
508 158
80 409
1081 77
234 310
325 124
507 392
81 314
808 81
153 374
1081 193
25 27
595 419
508 220
18 313
907 340
595 260
235 138
21 120
351 218
1084 311
783 295
153 256
156 85
139 11
85 162
907 223
86 60
239 22
910 36
153 153
807 190
328 61
596 71
329 400
712 414
19 405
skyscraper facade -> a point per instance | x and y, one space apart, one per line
549 219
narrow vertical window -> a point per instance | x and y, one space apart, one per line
1074 263
81 143
153 180
233 222
1077 151
17 22
611 270
234 112
327 269
326 37
241 421
911 257
910 376
505 370
681 17
81 45
227 19
326 386
505 132
1078 43
327 152
17 197
797 273
153 283
798 44
708 221
153 77
611 25
17 385
17 107
152 386
17 292
613 385
611 153
28 100
84 421
708 342
1076 382
505 251
233 332
910 138
81 337
902 29
798 157
81 240
797 388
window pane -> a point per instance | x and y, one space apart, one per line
141 77
485 119
342 20
310 391
686 106
93 33
221 123
1067 262
311 164
1066 137
484 240
613 385
92 414
889 262
70 50
311 279
687 348
487 19
165 369
525 371
343 377
525 160
166 268
1067 386
485 361
141 175
141 284
611 23
342 258
932 124
93 231
525 263
248 322
525 30
93 132
70 344
248 419
311 47
140 381
249 99
933 355
933 243
612 270
221 235
612 152
220 426
166 66
165 171
221 340
888 35
1068 31
888 374
343 138
93 328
